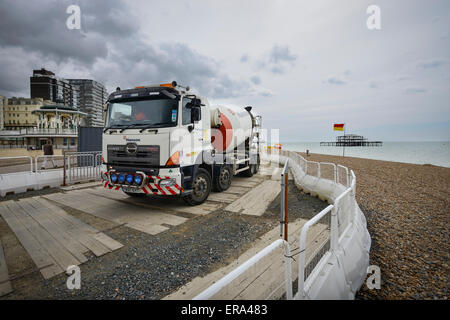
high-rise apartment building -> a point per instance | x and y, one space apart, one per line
44 84
91 97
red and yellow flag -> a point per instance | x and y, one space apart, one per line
338 127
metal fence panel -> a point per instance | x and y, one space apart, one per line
90 139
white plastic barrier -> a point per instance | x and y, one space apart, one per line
17 182
338 270
81 167
342 270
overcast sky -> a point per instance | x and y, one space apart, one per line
303 65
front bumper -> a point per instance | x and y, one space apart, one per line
151 185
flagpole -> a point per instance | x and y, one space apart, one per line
343 146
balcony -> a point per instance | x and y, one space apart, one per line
49 132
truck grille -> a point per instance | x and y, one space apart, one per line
132 155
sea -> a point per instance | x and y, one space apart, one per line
436 153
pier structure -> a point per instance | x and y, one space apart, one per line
351 140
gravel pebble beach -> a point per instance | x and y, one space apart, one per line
407 211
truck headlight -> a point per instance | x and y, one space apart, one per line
167 182
138 179
130 179
113 177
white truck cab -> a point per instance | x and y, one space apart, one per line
158 140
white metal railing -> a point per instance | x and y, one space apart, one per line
41 162
82 166
211 291
303 247
14 158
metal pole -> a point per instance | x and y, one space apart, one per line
64 168
343 146
282 205
286 188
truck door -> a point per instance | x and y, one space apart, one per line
192 144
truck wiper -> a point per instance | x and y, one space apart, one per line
153 125
112 127
131 126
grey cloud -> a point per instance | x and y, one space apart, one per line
108 48
413 90
255 80
278 60
244 58
374 84
336 80
41 27
281 54
432 63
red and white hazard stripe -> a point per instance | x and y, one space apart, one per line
153 187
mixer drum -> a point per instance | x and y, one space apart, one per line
233 129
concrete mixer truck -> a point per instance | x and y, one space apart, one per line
162 140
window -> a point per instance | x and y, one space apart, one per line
65 141
186 112
154 112
72 141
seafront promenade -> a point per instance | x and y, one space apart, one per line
407 209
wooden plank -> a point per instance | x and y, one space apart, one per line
157 203
62 257
244 183
108 241
202 209
78 227
58 232
80 230
38 254
257 200
63 216
222 197
5 284
237 190
147 228
132 215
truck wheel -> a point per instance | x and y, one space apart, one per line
223 181
201 187
254 168
249 172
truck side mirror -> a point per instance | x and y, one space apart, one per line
196 114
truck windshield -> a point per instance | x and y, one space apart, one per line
137 113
